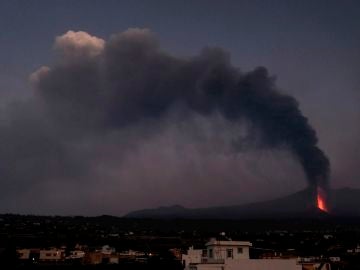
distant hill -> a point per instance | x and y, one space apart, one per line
344 202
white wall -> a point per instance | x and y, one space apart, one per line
77 254
221 252
272 264
51 254
192 256
24 254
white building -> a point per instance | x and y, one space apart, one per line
107 250
131 254
232 255
53 254
193 256
76 254
225 250
24 254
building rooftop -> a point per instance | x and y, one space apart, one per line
214 242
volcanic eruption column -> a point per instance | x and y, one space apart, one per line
138 81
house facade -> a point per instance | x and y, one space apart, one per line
232 255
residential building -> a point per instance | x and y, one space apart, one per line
24 254
52 254
232 255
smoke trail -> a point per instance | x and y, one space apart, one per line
98 85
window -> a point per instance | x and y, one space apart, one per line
204 253
240 250
229 253
210 253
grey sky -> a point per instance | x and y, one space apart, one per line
312 47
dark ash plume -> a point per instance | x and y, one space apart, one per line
98 86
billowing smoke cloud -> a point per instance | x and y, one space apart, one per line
126 89
131 79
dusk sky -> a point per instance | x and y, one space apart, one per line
113 106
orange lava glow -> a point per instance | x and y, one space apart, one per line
321 200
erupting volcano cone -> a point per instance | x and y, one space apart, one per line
321 200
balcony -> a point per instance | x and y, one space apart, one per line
212 260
